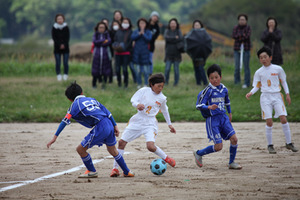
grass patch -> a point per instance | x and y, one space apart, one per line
30 92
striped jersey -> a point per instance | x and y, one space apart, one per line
213 95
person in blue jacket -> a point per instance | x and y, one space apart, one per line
142 37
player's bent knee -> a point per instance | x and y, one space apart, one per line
151 147
122 144
218 147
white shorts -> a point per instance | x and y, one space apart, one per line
138 125
270 101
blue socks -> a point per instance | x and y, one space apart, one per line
120 160
232 151
88 163
206 150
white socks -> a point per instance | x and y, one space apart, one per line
269 134
160 153
287 132
121 151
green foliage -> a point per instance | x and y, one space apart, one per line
222 16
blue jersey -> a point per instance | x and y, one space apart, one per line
213 95
86 111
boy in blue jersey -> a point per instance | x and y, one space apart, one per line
211 102
90 113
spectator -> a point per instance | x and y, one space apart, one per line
241 35
122 47
101 66
141 53
61 37
271 38
172 37
154 28
118 16
198 33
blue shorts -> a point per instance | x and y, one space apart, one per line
102 133
219 127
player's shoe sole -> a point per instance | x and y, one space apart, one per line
88 174
234 165
130 174
170 161
291 147
271 149
114 173
198 159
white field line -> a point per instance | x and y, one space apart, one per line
23 183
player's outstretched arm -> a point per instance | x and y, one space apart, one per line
172 129
51 141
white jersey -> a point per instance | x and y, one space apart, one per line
153 103
269 78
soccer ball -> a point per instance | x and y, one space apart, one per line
158 166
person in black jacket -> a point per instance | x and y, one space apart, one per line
61 37
154 28
271 38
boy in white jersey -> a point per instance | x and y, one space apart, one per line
148 101
268 78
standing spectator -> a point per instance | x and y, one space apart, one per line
141 53
61 37
154 28
101 66
122 47
118 16
172 36
241 35
106 21
271 38
200 52
115 26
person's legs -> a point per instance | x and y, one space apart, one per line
118 158
247 74
66 63
151 63
146 69
125 69
133 72
138 71
237 78
167 71
176 72
118 60
197 72
202 74
86 158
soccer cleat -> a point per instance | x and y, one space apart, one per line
130 174
271 149
234 165
89 174
291 147
170 161
115 172
198 159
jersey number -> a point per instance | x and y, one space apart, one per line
90 105
148 109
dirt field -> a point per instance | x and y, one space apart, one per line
29 170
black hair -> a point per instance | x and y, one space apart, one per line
73 91
57 15
264 49
130 24
120 13
214 68
243 15
156 78
197 20
143 19
177 24
112 24
271 18
96 27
